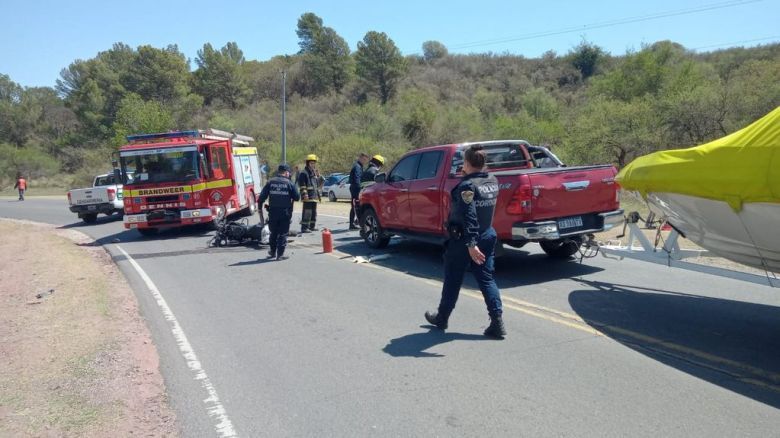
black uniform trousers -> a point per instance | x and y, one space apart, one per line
309 215
279 226
456 259
353 211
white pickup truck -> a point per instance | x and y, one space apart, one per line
105 196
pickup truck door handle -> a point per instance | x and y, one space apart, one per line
432 188
576 185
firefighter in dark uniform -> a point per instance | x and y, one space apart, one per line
369 175
355 174
280 193
308 183
472 240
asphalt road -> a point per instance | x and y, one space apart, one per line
320 346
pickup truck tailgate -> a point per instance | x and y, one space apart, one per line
94 195
570 191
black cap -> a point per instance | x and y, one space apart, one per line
284 168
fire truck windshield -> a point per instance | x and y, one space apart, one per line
160 166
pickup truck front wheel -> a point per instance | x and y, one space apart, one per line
371 230
561 248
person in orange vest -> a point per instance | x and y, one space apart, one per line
21 184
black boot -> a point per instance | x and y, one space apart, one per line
271 253
438 320
496 328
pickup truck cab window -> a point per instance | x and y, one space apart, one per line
500 156
405 170
542 157
105 180
429 164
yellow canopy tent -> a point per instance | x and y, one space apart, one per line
739 168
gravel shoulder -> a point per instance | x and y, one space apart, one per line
76 359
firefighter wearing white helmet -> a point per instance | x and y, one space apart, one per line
376 163
308 183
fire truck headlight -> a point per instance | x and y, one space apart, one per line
196 213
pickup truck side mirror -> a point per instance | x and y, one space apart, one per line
380 178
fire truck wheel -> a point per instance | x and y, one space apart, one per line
214 224
252 208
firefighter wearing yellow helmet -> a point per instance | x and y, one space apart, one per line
309 185
376 163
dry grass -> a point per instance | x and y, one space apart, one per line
69 362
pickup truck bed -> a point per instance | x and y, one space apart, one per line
104 197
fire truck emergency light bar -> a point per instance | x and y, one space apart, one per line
211 134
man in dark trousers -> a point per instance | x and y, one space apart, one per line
354 188
308 184
472 240
280 193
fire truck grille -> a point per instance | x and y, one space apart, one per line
159 199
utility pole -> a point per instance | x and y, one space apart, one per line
284 117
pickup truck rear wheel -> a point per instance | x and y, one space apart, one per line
89 218
561 248
371 230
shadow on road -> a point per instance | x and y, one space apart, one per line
100 220
515 268
725 342
414 345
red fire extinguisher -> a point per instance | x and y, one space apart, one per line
327 240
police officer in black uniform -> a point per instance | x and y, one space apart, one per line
472 240
280 193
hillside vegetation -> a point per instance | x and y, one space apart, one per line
589 106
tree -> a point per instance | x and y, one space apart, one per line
219 76
379 64
158 74
433 50
585 58
615 131
326 57
137 116
640 73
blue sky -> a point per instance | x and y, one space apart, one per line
39 38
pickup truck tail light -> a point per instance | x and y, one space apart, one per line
111 194
520 203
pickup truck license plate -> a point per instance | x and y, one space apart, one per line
91 207
570 222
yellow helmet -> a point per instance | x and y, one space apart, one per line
311 157
379 159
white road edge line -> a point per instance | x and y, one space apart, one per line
214 408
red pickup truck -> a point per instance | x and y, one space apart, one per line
540 200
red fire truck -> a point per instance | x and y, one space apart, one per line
181 178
